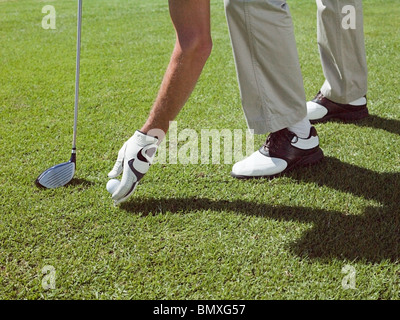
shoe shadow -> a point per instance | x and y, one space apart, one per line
373 236
376 122
381 187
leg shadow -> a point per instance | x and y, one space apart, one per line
373 236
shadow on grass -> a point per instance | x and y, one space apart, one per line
78 182
373 236
376 122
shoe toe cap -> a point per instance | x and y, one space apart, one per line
315 111
259 165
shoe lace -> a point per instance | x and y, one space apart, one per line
276 140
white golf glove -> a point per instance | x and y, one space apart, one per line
134 160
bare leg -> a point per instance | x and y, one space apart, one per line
191 19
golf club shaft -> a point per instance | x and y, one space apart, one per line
78 59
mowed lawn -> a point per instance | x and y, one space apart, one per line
190 231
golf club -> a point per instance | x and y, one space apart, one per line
59 175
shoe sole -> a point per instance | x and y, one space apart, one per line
344 116
309 160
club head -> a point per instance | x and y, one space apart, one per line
58 175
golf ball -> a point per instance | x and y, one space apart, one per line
112 185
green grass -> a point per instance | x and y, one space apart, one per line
190 231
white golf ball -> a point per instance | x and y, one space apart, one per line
112 185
